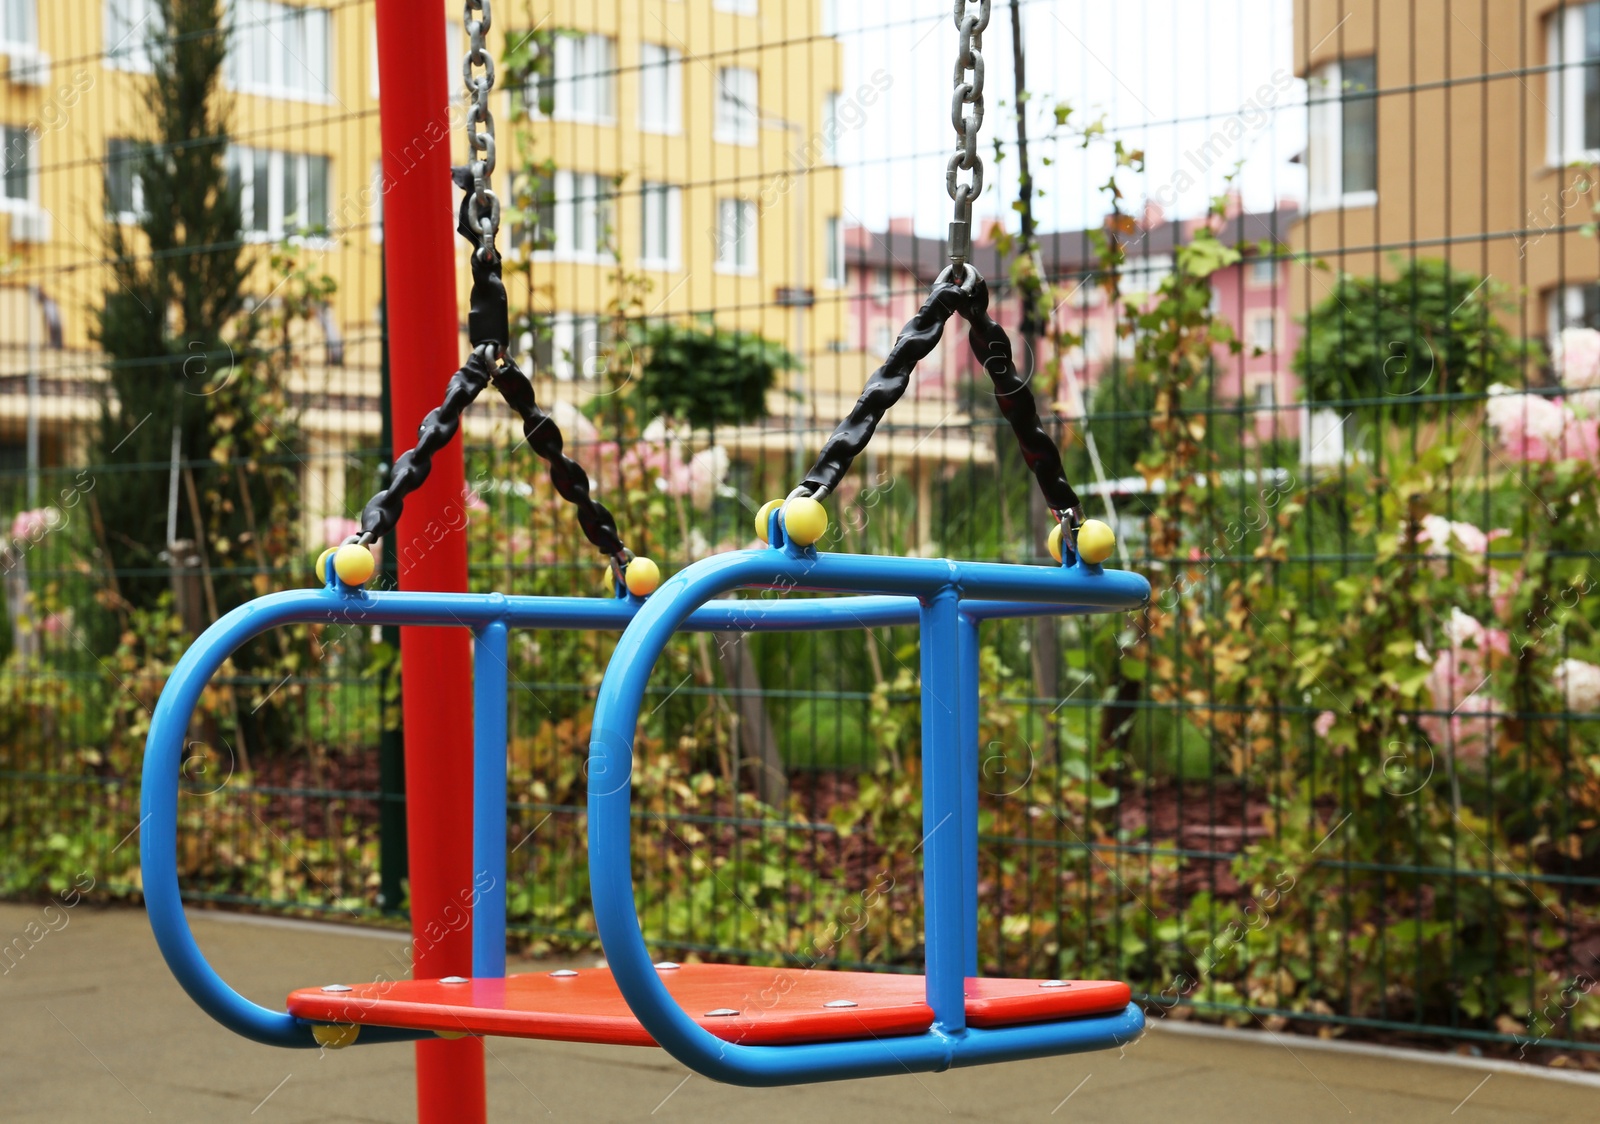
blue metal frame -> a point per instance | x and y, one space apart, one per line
948 600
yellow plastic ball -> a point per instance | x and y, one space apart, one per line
1054 542
335 1036
353 563
322 564
764 515
804 521
1096 541
642 577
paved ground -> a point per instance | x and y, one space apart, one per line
92 1028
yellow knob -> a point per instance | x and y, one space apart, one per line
353 563
642 577
1054 542
804 521
764 515
322 565
1096 541
335 1036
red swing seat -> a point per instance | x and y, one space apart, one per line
739 1003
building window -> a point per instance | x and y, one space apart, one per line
833 268
882 338
830 128
1145 274
570 216
124 189
736 236
1091 343
738 7
19 29
738 118
568 346
582 80
375 220
1263 327
1342 149
133 33
1263 272
830 17
278 51
1573 51
18 179
1266 394
1572 306
660 89
880 284
660 222
533 219
280 193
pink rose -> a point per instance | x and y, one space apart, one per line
1533 428
1458 684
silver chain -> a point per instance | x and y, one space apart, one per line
968 92
483 209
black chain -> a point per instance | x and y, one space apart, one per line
382 512
570 480
1015 398
888 384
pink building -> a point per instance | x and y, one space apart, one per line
888 273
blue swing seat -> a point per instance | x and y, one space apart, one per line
959 1018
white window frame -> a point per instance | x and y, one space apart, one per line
1564 52
1564 309
583 70
241 159
738 106
1325 142
738 223
130 32
738 7
375 216
1257 319
661 203
27 44
30 203
136 190
1263 272
833 269
880 337
660 89
830 128
584 204
1143 274
261 34
566 330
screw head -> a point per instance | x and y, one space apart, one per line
453 979
667 965
721 1012
337 987
840 1003
563 973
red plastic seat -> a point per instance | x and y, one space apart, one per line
756 1006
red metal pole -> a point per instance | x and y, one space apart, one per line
421 318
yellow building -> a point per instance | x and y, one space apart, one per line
1455 130
687 145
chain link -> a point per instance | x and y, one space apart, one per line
967 94
483 209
